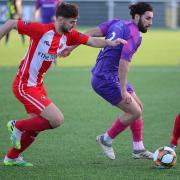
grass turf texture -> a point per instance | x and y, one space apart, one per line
70 152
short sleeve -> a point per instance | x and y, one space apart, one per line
77 38
105 26
31 29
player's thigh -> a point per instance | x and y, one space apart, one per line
34 99
137 99
108 89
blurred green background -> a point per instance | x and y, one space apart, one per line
159 48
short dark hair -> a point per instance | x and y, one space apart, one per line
139 8
67 10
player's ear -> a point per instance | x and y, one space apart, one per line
137 17
59 19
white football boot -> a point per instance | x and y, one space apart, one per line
142 154
107 148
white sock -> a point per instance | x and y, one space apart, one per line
138 145
107 138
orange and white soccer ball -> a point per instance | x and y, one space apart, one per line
164 157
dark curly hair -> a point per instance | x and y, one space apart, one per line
139 8
67 10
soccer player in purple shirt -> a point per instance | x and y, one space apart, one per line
110 77
47 10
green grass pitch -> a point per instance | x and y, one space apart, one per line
70 152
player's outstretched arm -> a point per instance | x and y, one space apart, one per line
7 27
101 43
94 32
94 42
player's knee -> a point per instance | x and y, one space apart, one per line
137 114
59 120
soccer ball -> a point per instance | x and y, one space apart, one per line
164 157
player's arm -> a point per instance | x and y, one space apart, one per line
94 42
19 8
36 13
7 27
94 32
123 76
101 43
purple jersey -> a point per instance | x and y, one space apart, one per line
108 59
47 8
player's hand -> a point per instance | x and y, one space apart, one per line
66 52
117 42
126 97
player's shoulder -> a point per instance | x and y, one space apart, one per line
131 27
45 27
36 24
49 26
119 23
73 32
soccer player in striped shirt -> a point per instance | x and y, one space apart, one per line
47 41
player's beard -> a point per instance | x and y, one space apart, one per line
141 26
65 29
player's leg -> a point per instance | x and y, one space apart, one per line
13 156
51 117
111 92
131 112
29 129
136 127
176 132
48 116
119 125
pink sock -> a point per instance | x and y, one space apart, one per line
117 128
136 129
34 124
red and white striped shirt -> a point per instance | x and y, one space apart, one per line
45 46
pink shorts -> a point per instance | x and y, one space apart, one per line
34 99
